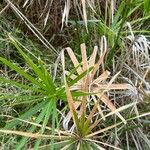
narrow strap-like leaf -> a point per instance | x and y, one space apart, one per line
22 72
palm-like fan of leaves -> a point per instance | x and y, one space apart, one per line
98 86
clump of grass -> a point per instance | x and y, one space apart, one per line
38 88
81 92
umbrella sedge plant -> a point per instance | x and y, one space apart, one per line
40 96
86 135
93 82
43 101
79 90
82 114
75 140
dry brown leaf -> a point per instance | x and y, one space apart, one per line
103 130
99 87
33 135
98 107
96 67
71 103
84 13
93 57
74 60
84 57
110 105
102 77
